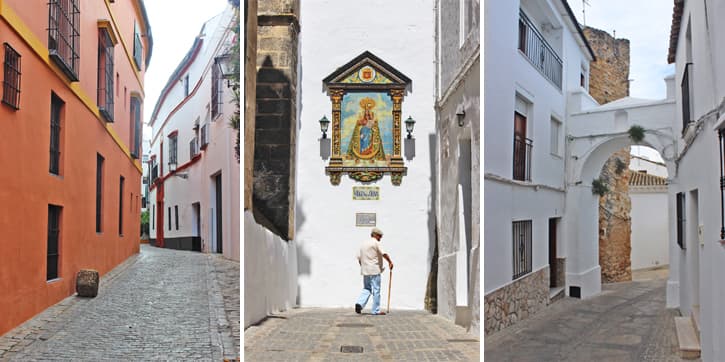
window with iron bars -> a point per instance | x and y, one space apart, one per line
56 109
193 147
53 252
137 46
521 248
686 97
64 36
172 149
216 88
136 129
105 74
11 78
204 136
680 198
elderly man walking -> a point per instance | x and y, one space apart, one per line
370 259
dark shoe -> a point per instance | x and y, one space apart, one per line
380 313
358 308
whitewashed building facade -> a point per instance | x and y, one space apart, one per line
535 56
697 249
194 192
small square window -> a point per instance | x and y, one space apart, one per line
11 78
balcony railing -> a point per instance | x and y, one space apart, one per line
539 52
686 100
522 158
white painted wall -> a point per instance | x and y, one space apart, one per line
650 233
508 72
651 167
218 157
333 33
270 272
701 264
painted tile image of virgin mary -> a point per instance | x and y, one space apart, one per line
366 130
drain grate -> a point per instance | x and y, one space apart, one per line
351 349
354 325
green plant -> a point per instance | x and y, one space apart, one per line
619 166
599 187
145 223
636 133
235 79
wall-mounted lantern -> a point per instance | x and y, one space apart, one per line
409 124
325 143
460 115
324 124
225 66
172 166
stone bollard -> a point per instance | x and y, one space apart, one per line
87 283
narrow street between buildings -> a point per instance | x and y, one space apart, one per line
626 322
159 304
309 334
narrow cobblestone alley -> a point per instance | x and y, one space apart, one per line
319 334
159 304
626 322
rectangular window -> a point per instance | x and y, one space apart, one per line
193 148
522 149
136 129
137 46
172 149
120 205
555 136
686 97
53 251
186 86
99 192
681 220
169 216
176 216
204 136
105 74
11 78
64 36
521 248
56 109
216 88
153 217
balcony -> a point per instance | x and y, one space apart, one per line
538 51
522 158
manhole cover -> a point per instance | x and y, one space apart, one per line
462 340
351 349
354 325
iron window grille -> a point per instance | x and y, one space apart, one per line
216 89
722 183
168 209
136 129
176 216
154 167
521 248
105 74
137 47
681 222
99 192
173 141
186 85
53 252
204 136
120 205
193 147
686 97
11 79
64 35
538 51
56 108
522 158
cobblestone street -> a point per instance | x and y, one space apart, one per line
160 304
626 322
319 334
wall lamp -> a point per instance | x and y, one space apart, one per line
324 124
460 115
409 124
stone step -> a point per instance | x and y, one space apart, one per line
686 338
555 294
695 315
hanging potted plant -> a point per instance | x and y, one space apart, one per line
636 133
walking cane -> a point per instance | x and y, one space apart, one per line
390 283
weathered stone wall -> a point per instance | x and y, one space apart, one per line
276 118
615 226
609 74
517 301
250 95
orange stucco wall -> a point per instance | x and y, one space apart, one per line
27 187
